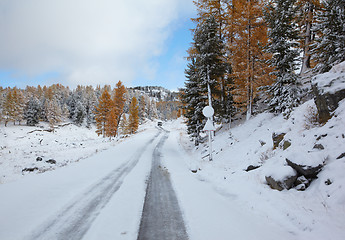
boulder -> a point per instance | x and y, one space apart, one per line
319 146
51 161
30 169
302 183
277 138
279 185
251 167
305 170
329 90
286 144
341 155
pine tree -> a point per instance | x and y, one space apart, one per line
133 119
31 112
306 19
54 112
194 101
124 125
102 111
330 46
285 94
208 61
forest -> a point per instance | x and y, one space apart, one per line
110 109
258 55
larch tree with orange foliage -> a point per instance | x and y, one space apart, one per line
133 119
102 112
248 58
119 100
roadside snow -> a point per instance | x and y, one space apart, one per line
30 203
21 145
225 201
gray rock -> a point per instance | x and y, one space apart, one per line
341 155
307 171
286 144
287 183
251 167
277 138
302 183
328 89
51 161
30 169
319 146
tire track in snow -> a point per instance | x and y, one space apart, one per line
161 217
76 218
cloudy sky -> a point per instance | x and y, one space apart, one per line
92 42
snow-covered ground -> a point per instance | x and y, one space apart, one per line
95 187
81 196
20 146
223 200
220 201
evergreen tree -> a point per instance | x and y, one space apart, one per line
124 124
330 46
194 101
306 19
54 112
285 94
208 60
133 119
31 112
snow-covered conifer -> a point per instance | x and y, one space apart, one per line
283 34
330 45
31 112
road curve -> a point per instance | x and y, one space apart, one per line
161 217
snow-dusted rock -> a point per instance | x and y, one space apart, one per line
285 183
306 164
329 90
279 176
277 137
302 183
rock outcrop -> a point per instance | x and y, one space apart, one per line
329 90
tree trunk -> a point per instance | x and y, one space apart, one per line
307 38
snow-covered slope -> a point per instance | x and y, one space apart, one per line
315 213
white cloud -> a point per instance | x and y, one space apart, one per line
86 41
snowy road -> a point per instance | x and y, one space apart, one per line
142 188
77 217
162 218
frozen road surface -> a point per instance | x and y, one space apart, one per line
162 218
